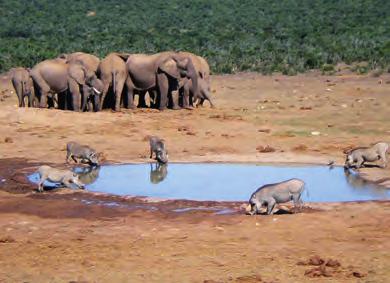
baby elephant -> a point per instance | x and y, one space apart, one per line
82 152
64 177
358 156
158 148
276 193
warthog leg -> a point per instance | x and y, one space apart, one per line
40 184
384 159
298 203
270 206
360 162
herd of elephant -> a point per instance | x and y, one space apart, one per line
81 81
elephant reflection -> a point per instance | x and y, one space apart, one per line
158 172
88 175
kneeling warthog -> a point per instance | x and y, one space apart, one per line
82 152
158 148
272 194
358 156
64 177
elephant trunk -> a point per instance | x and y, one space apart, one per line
193 76
96 102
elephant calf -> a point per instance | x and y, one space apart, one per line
23 84
272 194
82 152
64 177
358 156
158 148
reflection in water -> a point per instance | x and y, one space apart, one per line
158 173
354 179
224 182
88 175
358 183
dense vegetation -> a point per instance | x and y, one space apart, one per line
259 35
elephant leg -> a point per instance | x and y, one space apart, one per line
43 89
130 94
118 94
163 87
206 95
19 93
186 96
153 98
106 86
175 100
86 96
76 97
200 102
30 100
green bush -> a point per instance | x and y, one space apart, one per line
286 36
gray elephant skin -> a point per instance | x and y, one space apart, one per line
162 72
203 91
113 73
23 85
56 76
273 194
88 61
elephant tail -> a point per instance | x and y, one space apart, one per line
23 89
114 81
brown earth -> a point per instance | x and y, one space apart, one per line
56 237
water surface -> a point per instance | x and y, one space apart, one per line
225 182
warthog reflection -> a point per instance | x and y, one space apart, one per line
158 172
89 174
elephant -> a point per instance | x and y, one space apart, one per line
163 72
203 90
55 76
112 72
158 173
23 84
89 61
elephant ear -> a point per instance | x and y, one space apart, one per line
123 56
169 67
77 72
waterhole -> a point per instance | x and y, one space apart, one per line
224 182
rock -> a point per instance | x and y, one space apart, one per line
315 260
8 140
315 133
333 263
7 239
265 149
264 131
358 274
320 271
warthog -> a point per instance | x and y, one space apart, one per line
358 156
64 177
272 194
82 152
158 148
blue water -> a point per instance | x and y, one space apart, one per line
226 182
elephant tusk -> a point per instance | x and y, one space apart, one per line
98 92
